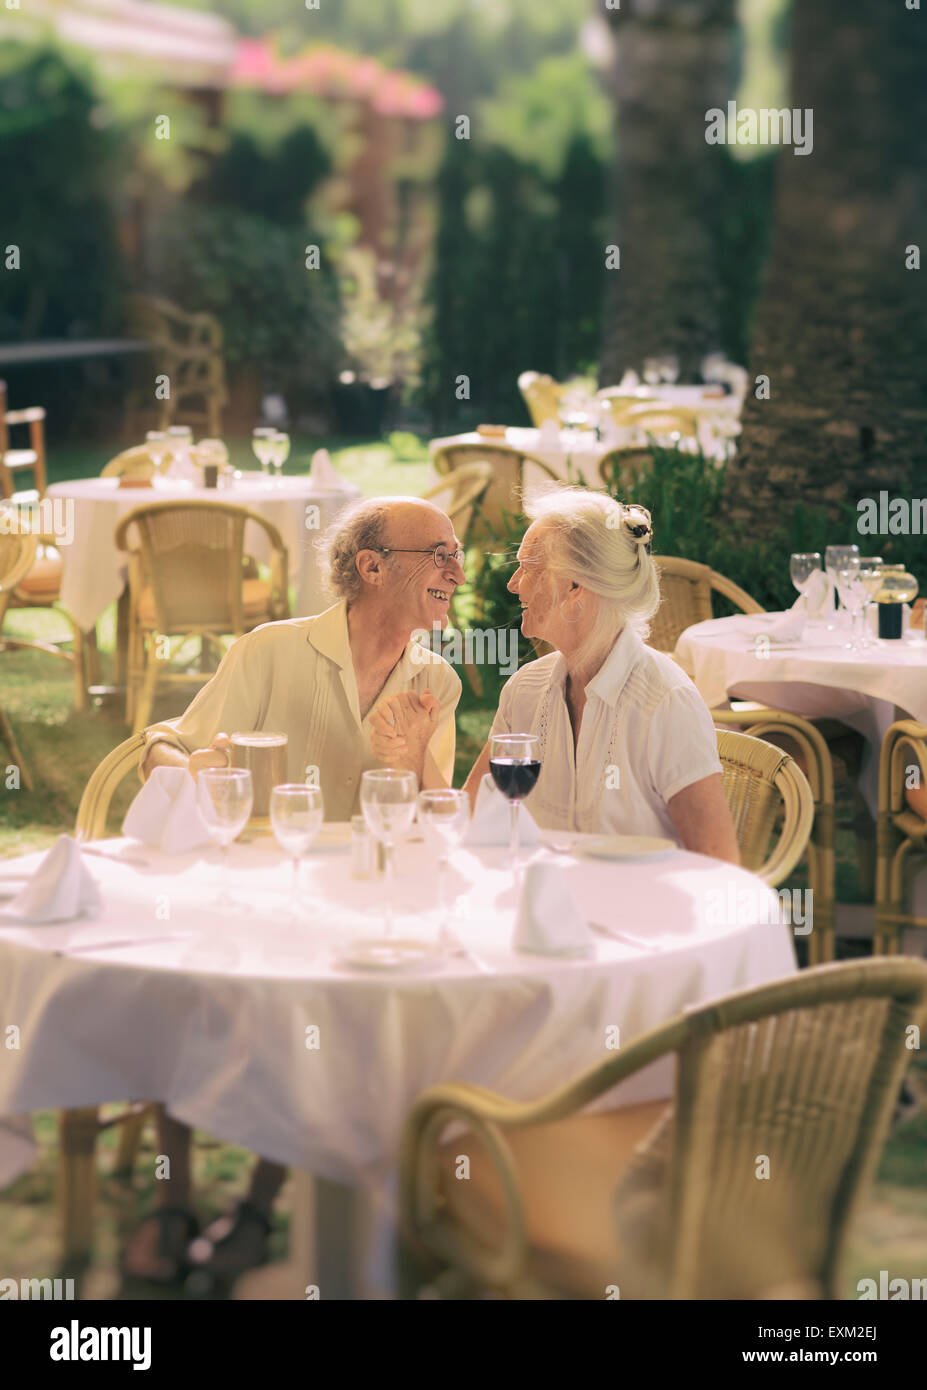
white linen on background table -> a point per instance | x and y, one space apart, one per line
94 571
818 676
214 1023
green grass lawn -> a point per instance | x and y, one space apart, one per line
61 748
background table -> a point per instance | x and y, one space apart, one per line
95 571
817 676
214 1024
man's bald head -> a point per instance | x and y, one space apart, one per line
403 524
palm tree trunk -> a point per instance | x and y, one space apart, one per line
672 64
841 329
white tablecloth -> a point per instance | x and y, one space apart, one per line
579 447
95 571
818 676
215 1024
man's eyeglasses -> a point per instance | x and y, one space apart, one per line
441 555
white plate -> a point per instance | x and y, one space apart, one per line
389 954
626 847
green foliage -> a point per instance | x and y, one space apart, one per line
58 166
381 339
248 271
279 180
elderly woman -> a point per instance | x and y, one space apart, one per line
626 743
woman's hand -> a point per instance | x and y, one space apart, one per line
401 728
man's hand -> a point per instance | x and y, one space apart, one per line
401 728
218 754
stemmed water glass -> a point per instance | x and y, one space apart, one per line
852 594
296 812
669 368
870 576
280 453
387 798
159 446
225 796
515 765
445 815
261 444
652 370
802 566
844 557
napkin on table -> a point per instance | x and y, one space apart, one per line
322 474
165 813
491 823
815 602
549 922
60 888
549 434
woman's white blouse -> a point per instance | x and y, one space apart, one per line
645 734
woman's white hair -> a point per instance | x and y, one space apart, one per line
606 547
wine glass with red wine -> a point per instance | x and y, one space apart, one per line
515 765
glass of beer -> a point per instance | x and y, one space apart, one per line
264 755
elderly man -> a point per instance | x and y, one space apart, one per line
393 564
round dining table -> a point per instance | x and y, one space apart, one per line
263 1029
94 571
814 674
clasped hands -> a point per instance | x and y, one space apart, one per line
401 728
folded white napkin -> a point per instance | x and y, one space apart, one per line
549 434
790 625
630 381
60 888
815 601
491 823
322 473
819 595
165 813
549 923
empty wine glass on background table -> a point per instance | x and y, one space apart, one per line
225 796
445 815
387 797
852 594
836 557
802 566
870 576
296 812
261 444
159 446
280 453
515 766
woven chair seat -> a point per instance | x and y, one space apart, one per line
43 580
567 1178
256 600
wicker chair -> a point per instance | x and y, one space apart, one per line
541 395
131 463
757 721
687 588
657 420
621 469
188 349
185 578
502 498
901 832
804 1072
17 555
40 587
765 790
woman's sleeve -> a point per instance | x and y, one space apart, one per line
682 744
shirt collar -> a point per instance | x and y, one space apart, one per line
609 681
328 633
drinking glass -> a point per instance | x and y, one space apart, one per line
261 444
515 766
870 576
802 567
445 815
296 817
281 443
224 796
839 557
387 797
159 446
853 596
669 368
652 371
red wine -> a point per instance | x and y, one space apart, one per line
515 779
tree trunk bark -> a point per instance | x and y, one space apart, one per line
673 62
841 329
